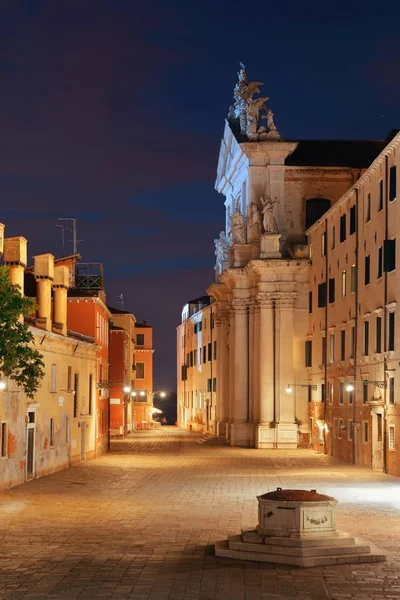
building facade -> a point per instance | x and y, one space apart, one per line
143 392
274 191
57 427
352 347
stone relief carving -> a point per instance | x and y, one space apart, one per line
222 245
268 206
254 223
245 112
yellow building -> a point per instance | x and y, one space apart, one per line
57 427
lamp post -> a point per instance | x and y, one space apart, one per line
127 391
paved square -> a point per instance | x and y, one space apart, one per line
140 523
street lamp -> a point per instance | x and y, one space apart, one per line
309 386
3 385
127 389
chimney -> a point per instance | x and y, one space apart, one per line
60 289
44 275
15 255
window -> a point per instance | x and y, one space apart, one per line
392 184
195 357
323 244
367 277
321 295
323 350
379 269
368 208
365 432
323 392
391 437
350 430
199 326
215 350
188 359
333 246
378 335
67 429
4 439
69 379
140 339
195 328
208 385
380 195
340 427
76 392
365 392
343 228
391 390
341 392
350 396
308 348
391 331
389 255
379 427
204 354
184 372
309 394
51 436
343 284
53 386
90 397
343 344
209 351
331 290
353 279
352 219
366 338
191 358
352 341
331 347
214 384
141 396
310 302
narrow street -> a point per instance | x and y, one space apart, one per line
140 523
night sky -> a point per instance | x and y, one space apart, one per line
112 111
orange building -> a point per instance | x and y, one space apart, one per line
143 387
122 372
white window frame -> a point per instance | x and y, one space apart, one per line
391 447
344 284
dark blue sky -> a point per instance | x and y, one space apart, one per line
112 111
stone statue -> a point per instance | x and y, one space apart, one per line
254 222
244 114
238 228
269 223
222 245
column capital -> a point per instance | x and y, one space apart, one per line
240 305
286 299
265 299
221 316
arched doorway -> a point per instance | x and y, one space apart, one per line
315 208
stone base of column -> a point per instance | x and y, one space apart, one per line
270 245
286 435
222 430
241 434
265 436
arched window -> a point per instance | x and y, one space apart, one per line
315 208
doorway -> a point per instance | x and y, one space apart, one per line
30 451
83 441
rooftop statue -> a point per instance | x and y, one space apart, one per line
222 246
245 112
269 223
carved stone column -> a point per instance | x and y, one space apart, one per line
239 428
222 409
285 409
266 434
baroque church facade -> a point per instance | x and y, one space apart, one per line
241 349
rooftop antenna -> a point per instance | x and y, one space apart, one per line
120 301
74 240
63 238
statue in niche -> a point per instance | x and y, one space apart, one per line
269 223
238 228
254 222
222 245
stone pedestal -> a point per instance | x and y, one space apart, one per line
269 245
265 436
297 527
240 434
286 435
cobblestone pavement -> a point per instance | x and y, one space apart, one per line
140 523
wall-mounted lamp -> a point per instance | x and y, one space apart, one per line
309 386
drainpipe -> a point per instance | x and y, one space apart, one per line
356 324
274 359
385 316
326 329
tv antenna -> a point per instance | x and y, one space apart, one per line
120 301
74 240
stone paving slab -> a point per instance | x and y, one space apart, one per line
140 523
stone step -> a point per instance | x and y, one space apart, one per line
235 543
222 549
338 539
